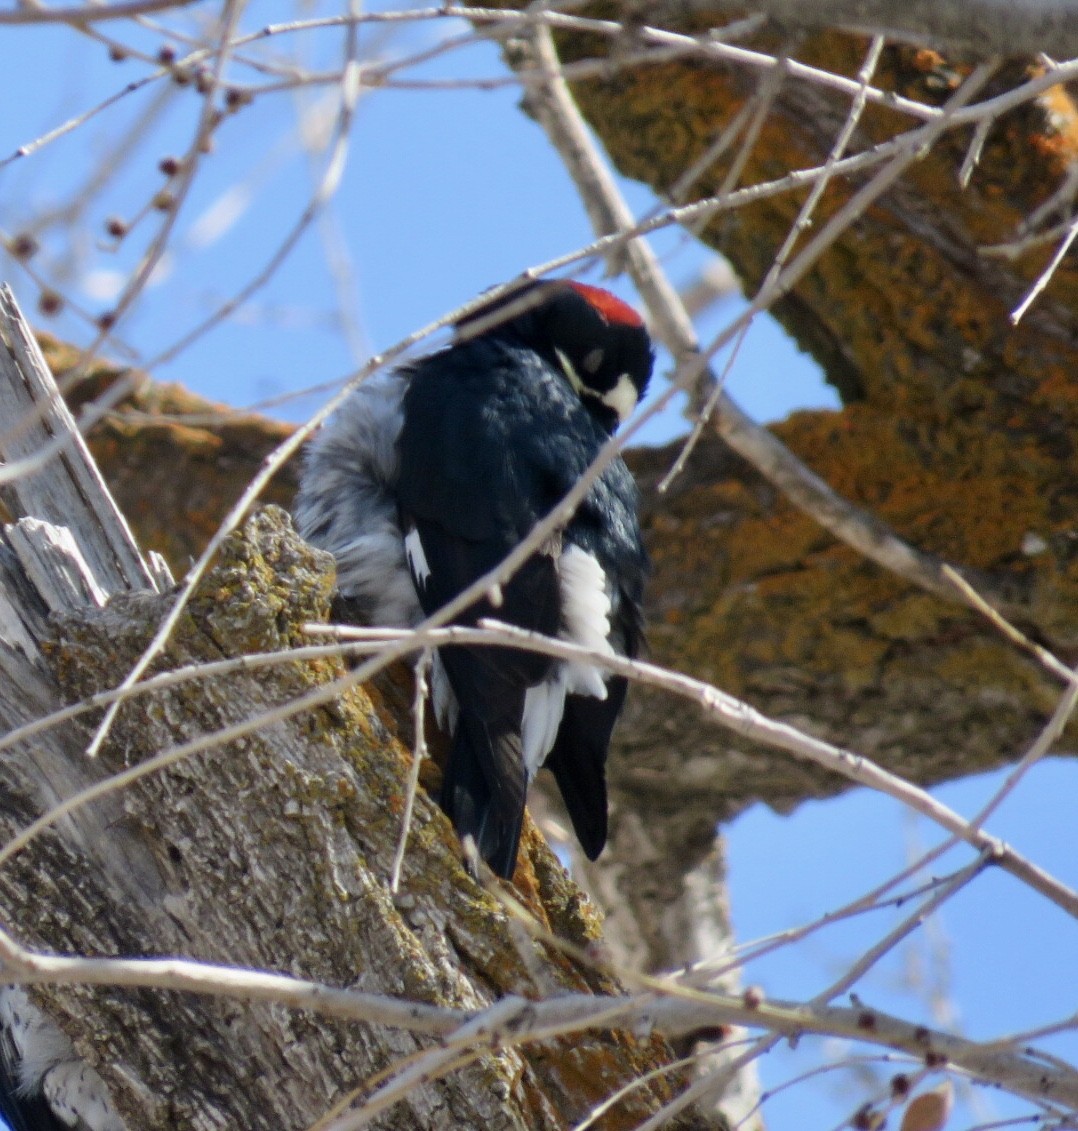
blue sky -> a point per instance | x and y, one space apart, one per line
447 192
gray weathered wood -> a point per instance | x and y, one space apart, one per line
51 486
54 564
162 575
16 636
48 472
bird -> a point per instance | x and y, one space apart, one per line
427 477
44 1084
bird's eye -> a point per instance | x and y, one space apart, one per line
593 361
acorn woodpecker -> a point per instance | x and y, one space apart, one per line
428 477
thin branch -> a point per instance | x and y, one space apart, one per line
714 45
704 974
746 721
709 1084
330 181
250 662
1049 661
642 1081
1044 743
26 967
359 641
83 15
801 224
273 462
419 752
513 1023
722 708
181 188
1046 275
857 970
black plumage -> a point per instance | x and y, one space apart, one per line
493 432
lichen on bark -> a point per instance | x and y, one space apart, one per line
273 851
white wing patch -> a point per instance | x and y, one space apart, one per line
585 620
585 615
544 705
417 558
446 707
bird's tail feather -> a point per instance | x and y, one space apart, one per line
578 762
484 790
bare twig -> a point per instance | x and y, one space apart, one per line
27 968
800 225
85 14
1046 275
465 1035
723 708
330 181
419 752
943 892
746 721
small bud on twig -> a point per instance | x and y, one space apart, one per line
50 303
23 246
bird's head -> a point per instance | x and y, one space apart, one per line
597 342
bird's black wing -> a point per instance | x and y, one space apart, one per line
470 486
578 762
486 780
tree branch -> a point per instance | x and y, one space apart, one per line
983 28
553 106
